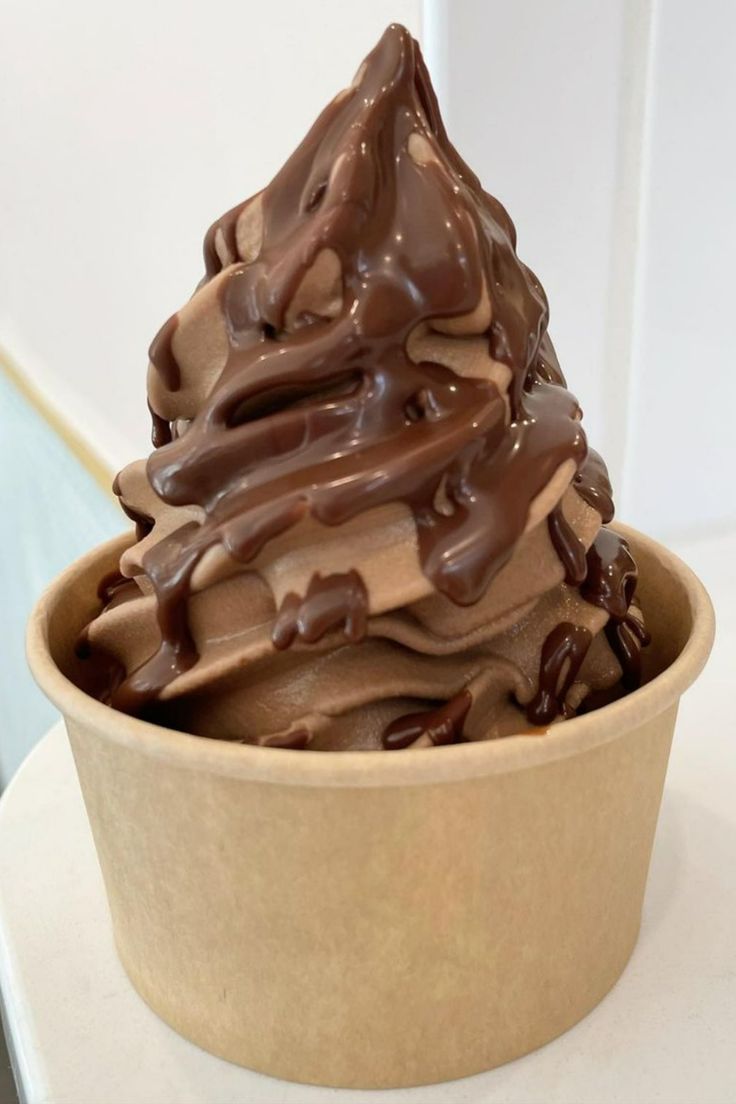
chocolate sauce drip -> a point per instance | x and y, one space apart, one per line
324 420
443 725
567 545
593 485
612 574
332 601
143 523
562 655
177 652
627 638
611 584
161 355
160 429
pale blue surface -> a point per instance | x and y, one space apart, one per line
51 511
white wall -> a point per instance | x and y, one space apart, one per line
681 460
127 128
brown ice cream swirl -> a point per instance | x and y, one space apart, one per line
371 499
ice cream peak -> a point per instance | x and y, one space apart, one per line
365 339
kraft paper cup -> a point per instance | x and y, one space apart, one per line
366 919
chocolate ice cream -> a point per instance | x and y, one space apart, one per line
371 519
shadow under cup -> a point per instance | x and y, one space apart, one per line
369 920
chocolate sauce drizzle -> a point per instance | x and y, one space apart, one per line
611 575
607 577
562 655
443 725
330 602
627 638
568 546
610 579
160 429
611 584
593 485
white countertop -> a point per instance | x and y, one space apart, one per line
665 1034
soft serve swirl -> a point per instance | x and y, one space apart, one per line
366 336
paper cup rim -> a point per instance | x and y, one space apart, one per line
370 768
